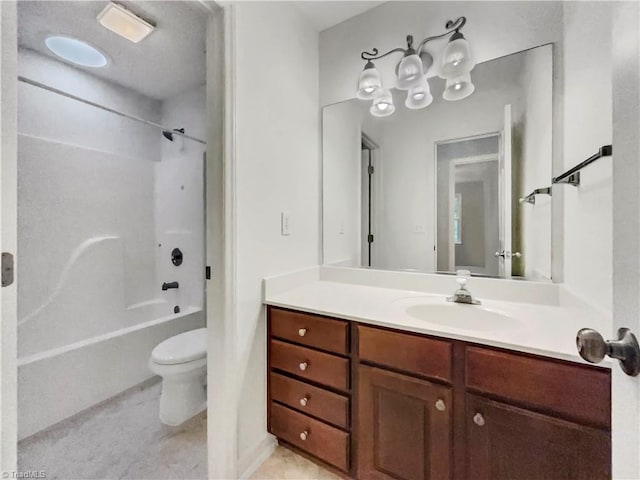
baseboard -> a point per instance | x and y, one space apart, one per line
250 461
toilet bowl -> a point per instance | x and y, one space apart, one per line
181 361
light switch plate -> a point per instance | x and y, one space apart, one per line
285 223
418 228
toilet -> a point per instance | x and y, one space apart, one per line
181 361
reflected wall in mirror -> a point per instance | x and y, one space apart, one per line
439 189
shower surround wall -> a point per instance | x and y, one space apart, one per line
179 198
90 307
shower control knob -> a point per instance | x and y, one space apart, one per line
304 435
302 332
303 366
303 401
440 405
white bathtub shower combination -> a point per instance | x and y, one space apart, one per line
102 202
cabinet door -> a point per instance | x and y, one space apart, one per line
404 427
505 442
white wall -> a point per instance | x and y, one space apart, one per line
342 170
277 164
588 233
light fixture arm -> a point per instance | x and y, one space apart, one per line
451 26
373 54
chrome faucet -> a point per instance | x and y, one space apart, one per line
462 295
167 286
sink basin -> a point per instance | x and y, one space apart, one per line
466 317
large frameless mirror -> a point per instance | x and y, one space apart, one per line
449 186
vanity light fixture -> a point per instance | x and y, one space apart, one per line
420 95
411 72
369 82
382 104
124 22
458 88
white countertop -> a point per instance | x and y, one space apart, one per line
541 329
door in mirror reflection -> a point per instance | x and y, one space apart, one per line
469 205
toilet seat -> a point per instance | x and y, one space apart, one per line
183 348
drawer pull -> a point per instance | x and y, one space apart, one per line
304 435
478 419
303 401
303 366
302 332
440 406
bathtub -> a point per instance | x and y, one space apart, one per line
58 383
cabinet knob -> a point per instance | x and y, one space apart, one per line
478 419
303 366
440 405
303 401
304 435
302 332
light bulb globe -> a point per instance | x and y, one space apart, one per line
456 58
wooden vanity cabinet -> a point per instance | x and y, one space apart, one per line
507 442
534 418
381 404
309 386
404 427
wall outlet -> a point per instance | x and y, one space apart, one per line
285 223
418 228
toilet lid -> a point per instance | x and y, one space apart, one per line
185 347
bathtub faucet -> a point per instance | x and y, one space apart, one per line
167 286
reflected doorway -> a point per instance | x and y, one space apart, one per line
469 206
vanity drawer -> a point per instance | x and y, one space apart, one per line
321 440
323 404
410 353
323 368
310 330
577 392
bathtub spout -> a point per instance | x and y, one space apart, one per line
167 286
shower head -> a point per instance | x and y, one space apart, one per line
169 135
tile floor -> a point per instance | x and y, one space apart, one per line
119 439
283 464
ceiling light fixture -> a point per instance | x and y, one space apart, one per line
76 51
411 72
124 22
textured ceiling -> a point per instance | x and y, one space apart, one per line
325 14
167 62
